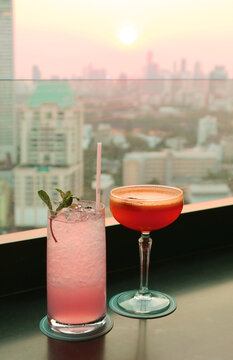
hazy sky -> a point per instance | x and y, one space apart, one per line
62 37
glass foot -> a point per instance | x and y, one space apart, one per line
78 329
76 335
152 302
133 304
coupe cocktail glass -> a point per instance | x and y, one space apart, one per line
145 208
76 269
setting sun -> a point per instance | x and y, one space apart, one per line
127 35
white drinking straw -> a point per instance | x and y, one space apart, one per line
98 174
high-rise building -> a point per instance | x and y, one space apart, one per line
7 112
207 126
6 40
197 74
227 146
183 66
219 73
51 154
168 167
36 72
8 144
151 70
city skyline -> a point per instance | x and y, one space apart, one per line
63 38
151 71
188 122
41 122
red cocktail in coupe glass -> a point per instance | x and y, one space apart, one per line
145 208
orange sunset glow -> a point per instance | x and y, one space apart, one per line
65 36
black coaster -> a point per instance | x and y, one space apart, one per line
45 328
113 303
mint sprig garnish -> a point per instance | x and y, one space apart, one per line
67 199
45 197
61 193
66 202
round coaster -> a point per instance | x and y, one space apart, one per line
113 303
44 327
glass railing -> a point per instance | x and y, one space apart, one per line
171 132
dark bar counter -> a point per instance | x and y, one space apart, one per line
198 274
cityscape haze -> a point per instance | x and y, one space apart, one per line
172 126
68 39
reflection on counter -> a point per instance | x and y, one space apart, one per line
64 350
141 348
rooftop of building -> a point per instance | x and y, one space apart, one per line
52 93
183 154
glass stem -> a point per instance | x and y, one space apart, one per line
145 243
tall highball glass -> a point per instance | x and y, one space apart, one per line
76 269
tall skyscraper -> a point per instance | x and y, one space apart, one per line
36 72
151 70
8 144
51 153
6 40
197 74
183 66
7 109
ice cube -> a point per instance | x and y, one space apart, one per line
77 214
89 209
62 215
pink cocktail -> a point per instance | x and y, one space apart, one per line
76 269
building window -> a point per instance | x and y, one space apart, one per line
48 115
